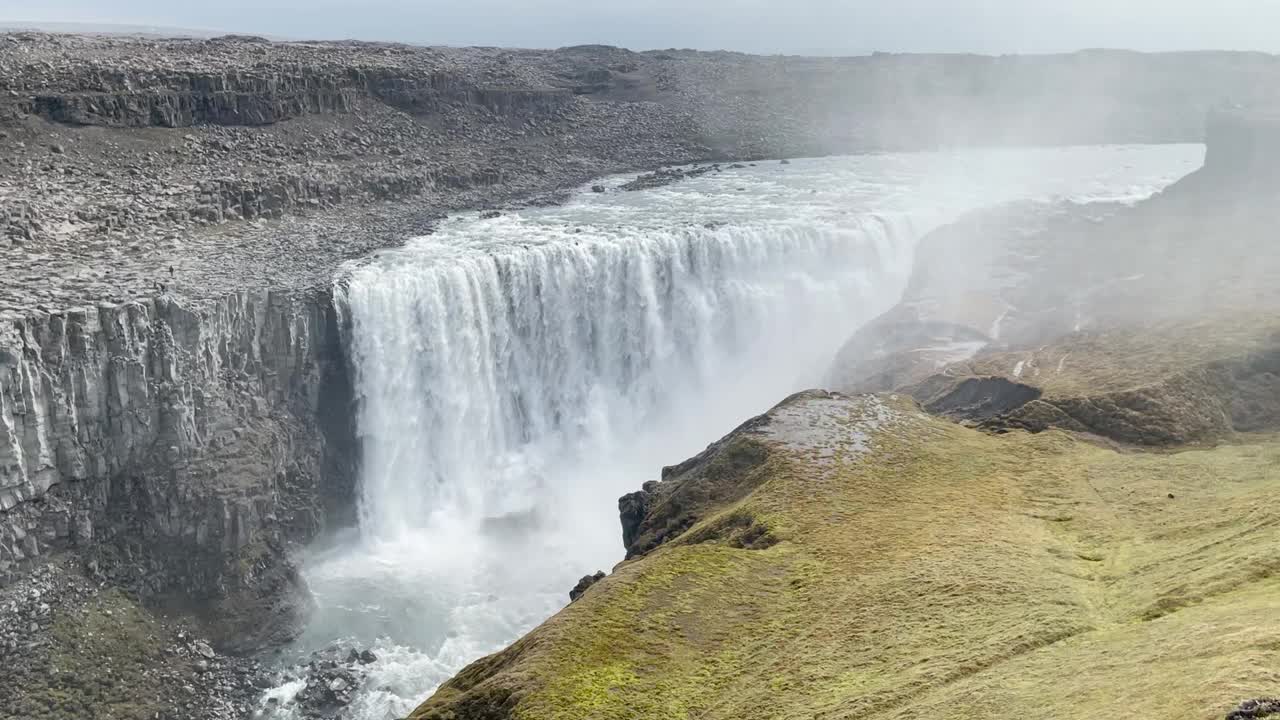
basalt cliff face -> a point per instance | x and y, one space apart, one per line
177 448
977 526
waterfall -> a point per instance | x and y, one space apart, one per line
516 375
484 371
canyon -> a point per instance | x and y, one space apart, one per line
181 221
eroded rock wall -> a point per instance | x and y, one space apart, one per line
179 448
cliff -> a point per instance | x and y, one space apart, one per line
176 448
1152 324
1244 143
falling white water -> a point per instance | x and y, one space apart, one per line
516 375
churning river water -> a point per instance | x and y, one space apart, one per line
516 375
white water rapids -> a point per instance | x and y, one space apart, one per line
515 376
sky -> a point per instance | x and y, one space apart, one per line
761 26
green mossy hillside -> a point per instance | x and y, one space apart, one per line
918 568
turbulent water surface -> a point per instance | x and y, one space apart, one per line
516 375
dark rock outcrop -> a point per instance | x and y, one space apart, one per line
177 449
584 584
717 476
977 398
633 508
1259 708
661 178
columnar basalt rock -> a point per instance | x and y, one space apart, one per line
177 447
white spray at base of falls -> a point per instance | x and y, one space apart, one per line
516 375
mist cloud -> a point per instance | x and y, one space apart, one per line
764 26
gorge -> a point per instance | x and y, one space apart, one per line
322 372
516 375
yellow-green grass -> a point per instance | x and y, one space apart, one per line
945 573
1101 362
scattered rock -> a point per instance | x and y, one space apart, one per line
103 654
663 177
331 679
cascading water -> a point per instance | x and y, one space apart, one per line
516 375
486 367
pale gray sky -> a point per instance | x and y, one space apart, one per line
767 26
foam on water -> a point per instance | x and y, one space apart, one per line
516 375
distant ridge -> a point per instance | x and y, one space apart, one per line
145 31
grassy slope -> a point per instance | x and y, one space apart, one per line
1102 362
943 574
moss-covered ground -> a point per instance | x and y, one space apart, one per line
943 573
96 665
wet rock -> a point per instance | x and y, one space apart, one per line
597 189
666 176
332 678
327 692
361 657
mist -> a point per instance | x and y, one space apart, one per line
824 27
